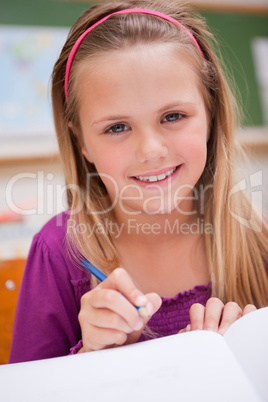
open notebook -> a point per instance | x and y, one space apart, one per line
194 366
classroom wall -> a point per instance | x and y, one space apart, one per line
234 29
37 156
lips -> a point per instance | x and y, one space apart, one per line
156 178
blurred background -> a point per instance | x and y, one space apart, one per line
32 33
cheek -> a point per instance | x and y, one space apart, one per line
97 154
197 152
192 148
110 165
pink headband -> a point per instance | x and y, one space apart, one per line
127 11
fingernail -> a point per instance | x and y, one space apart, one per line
188 328
143 312
150 308
141 301
146 311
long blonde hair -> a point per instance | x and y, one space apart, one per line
237 248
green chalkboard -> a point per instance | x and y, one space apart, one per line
41 12
234 32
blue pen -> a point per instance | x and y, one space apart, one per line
101 277
94 271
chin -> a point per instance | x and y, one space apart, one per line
158 208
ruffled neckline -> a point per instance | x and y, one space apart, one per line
196 290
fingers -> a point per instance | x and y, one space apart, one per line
215 316
208 317
231 313
120 293
197 315
104 318
102 338
155 300
120 281
186 329
249 309
108 304
108 315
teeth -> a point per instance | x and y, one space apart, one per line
151 179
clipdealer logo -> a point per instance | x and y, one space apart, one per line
133 226
253 187
51 198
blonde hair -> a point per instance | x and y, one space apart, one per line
236 252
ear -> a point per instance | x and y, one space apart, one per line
81 143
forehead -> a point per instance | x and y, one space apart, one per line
140 54
156 69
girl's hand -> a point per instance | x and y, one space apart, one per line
215 316
108 315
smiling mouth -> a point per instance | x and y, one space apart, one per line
153 179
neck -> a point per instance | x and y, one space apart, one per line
155 247
153 229
147 228
163 255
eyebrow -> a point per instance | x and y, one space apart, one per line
112 118
177 103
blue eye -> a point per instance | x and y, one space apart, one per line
172 117
117 128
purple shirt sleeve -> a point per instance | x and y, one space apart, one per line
46 322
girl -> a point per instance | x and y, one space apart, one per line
145 125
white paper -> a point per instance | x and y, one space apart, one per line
195 366
248 340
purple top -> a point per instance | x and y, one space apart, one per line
46 322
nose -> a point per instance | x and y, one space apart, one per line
151 147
